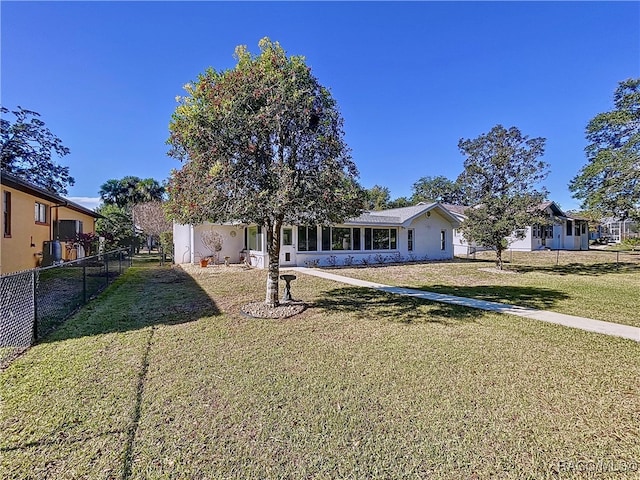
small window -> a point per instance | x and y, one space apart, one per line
41 213
443 240
410 239
569 228
6 213
254 237
287 236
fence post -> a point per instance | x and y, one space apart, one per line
557 257
618 259
34 278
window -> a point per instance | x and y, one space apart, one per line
6 213
254 235
584 228
41 213
569 228
380 238
67 229
410 239
577 229
340 238
287 236
307 239
535 231
443 240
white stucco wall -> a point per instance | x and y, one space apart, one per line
232 242
182 243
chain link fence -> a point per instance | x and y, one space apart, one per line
596 258
35 302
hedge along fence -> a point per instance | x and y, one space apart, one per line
35 302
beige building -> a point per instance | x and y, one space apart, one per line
32 218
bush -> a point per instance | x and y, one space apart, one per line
166 242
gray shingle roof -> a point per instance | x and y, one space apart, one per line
394 216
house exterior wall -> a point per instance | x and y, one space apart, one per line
431 232
22 248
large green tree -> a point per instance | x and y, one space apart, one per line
130 190
501 172
116 226
610 181
262 143
26 150
377 198
437 189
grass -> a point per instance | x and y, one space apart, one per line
161 377
603 291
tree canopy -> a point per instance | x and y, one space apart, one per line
130 190
501 173
27 149
610 181
437 189
377 198
263 144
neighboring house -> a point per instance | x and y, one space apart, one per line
563 231
614 230
423 231
31 218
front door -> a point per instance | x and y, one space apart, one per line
287 248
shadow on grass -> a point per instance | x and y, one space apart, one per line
593 269
366 304
141 297
529 297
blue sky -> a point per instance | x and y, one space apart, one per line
410 78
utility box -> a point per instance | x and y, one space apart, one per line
51 253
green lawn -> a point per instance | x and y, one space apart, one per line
603 291
161 377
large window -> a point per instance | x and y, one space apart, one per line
307 239
380 238
254 235
41 213
340 238
6 213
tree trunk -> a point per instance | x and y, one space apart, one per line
273 249
499 259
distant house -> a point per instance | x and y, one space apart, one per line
32 218
399 234
562 231
614 230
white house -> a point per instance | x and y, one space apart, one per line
423 231
561 232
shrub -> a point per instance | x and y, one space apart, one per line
313 263
379 258
332 261
348 260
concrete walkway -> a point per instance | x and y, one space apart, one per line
588 324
